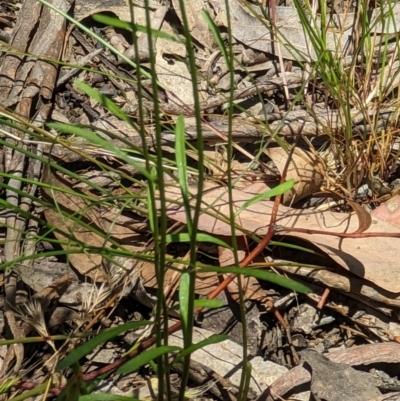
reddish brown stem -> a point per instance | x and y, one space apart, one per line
323 299
284 230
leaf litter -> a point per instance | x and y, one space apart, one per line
119 274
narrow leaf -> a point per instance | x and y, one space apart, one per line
262 275
106 335
184 300
97 140
208 303
117 23
245 382
279 190
145 358
200 237
364 218
297 247
180 157
104 101
216 33
152 213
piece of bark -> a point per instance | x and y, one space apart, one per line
332 381
343 283
367 354
34 76
296 377
26 23
386 397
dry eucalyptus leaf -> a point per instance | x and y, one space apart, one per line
205 283
304 168
85 264
121 8
197 25
172 71
143 41
372 258
116 226
294 43
116 126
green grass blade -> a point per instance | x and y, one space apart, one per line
7 383
184 294
297 247
145 358
260 274
245 382
106 335
279 190
208 303
215 31
103 143
104 101
117 23
180 156
151 212
31 394
200 237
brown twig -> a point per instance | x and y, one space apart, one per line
282 230
323 298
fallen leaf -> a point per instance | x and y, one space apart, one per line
205 283
171 70
372 258
121 8
364 218
292 34
109 221
304 167
196 24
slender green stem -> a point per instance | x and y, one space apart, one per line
196 212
